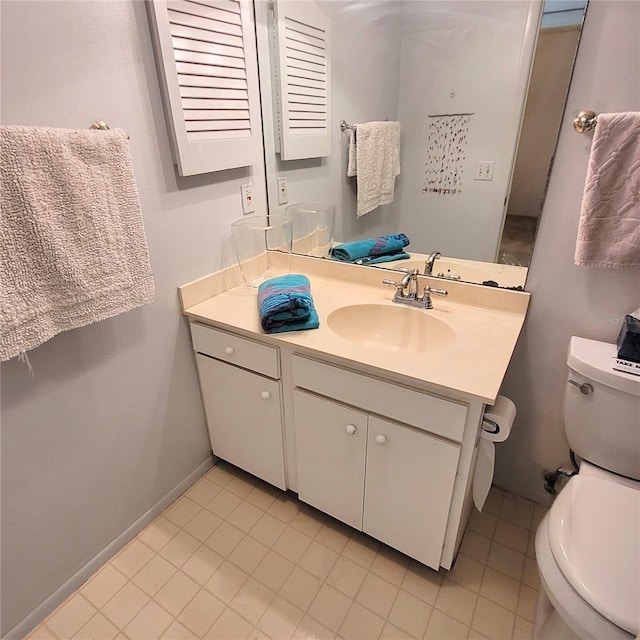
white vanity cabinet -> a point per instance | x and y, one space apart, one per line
389 459
393 481
242 396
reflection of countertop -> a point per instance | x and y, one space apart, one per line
486 321
506 275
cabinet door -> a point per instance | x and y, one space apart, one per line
331 442
244 418
409 483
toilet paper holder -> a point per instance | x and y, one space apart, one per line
494 426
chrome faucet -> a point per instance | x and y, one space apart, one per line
428 265
410 283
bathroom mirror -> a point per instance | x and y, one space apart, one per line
497 71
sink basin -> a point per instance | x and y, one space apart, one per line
391 328
466 273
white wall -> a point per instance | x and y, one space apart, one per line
566 299
365 75
113 420
462 57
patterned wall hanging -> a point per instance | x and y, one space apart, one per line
446 152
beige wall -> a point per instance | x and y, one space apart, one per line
550 77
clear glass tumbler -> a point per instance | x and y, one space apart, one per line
312 227
254 239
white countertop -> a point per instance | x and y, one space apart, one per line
487 323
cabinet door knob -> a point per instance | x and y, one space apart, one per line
265 395
381 439
350 429
229 351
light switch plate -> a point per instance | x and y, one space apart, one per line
484 170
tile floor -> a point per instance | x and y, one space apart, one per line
235 558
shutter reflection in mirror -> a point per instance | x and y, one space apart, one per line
303 79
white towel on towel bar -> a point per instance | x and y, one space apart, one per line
374 158
73 244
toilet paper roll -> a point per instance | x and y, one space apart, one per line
496 427
498 420
483 475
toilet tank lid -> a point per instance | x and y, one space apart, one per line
593 360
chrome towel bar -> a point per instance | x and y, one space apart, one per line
585 121
344 125
101 125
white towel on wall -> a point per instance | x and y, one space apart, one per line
352 166
73 245
374 158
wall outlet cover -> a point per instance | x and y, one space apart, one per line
246 191
283 191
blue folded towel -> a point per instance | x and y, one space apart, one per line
285 304
361 249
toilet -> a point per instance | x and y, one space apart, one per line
588 544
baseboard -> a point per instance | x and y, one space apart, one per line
80 577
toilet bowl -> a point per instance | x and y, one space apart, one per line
588 544
588 555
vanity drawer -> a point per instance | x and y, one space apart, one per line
430 413
234 349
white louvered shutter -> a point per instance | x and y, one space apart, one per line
303 79
207 61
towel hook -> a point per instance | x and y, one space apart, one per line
585 121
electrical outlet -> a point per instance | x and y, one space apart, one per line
283 191
246 190
484 170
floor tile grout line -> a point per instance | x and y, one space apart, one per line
301 508
178 569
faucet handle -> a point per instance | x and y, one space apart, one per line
426 296
393 283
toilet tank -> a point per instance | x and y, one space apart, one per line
602 426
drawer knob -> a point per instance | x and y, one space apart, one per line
229 351
265 395
350 429
381 439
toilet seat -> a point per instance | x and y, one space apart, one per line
575 618
589 514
